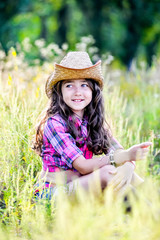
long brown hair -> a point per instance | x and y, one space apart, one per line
98 140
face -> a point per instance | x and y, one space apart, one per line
77 95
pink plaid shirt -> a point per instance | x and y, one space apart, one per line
59 148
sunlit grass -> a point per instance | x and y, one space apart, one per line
88 217
132 110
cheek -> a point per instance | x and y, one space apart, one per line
90 96
64 96
64 93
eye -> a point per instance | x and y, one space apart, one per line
85 85
68 85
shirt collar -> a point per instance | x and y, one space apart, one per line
79 121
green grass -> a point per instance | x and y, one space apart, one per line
132 110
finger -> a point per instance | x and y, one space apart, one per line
113 181
116 181
138 154
122 191
128 182
145 150
142 154
145 144
120 185
124 182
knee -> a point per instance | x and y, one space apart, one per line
106 169
105 175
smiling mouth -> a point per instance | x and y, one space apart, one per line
77 100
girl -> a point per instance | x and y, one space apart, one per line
74 128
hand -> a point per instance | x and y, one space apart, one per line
122 177
136 180
139 151
134 153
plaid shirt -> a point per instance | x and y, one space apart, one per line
59 148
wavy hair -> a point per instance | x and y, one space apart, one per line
98 140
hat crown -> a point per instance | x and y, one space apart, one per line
76 60
75 65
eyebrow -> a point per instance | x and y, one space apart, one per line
71 81
67 81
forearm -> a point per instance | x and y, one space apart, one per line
121 156
86 166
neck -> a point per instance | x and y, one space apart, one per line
79 116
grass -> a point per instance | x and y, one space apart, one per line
132 110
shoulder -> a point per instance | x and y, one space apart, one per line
55 122
57 118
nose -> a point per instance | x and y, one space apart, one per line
78 91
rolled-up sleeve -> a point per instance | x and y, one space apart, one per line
115 144
63 143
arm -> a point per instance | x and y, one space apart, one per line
124 174
86 166
135 153
64 144
123 177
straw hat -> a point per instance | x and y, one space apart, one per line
74 65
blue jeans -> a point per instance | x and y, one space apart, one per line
48 193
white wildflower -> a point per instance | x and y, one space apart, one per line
92 50
81 46
26 44
95 58
116 73
109 59
65 46
44 52
88 39
54 47
40 43
2 54
156 95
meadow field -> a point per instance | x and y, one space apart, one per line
132 103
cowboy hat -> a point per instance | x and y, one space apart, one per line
74 65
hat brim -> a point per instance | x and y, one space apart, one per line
64 73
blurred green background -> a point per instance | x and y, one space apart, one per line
127 29
33 35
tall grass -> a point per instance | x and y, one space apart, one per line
132 110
